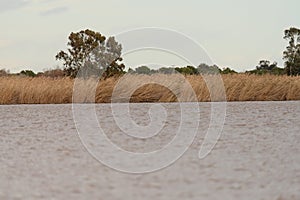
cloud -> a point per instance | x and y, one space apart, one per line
6 5
54 11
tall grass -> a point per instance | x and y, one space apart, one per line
23 90
238 87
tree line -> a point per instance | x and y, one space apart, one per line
188 70
91 53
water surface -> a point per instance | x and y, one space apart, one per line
257 156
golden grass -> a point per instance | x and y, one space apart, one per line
143 88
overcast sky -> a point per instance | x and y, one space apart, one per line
235 33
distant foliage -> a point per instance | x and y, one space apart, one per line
227 70
93 53
206 69
53 73
292 53
265 67
4 72
166 70
146 70
188 70
143 70
27 73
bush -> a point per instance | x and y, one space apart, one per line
53 73
4 72
27 73
227 70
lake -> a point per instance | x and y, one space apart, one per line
257 156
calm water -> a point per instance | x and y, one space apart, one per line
257 156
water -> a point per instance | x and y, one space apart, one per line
257 156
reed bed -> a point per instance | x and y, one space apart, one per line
154 88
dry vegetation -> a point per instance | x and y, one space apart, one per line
238 87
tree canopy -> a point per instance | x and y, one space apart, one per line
265 67
292 53
93 52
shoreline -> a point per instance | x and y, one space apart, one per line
200 102
238 88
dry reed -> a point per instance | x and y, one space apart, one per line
144 88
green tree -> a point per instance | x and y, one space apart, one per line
206 69
143 70
91 51
227 70
188 70
166 70
265 67
292 53
27 73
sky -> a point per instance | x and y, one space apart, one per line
234 33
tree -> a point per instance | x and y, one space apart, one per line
4 72
27 73
206 69
227 70
143 70
166 70
292 53
91 51
188 70
130 71
53 73
265 65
